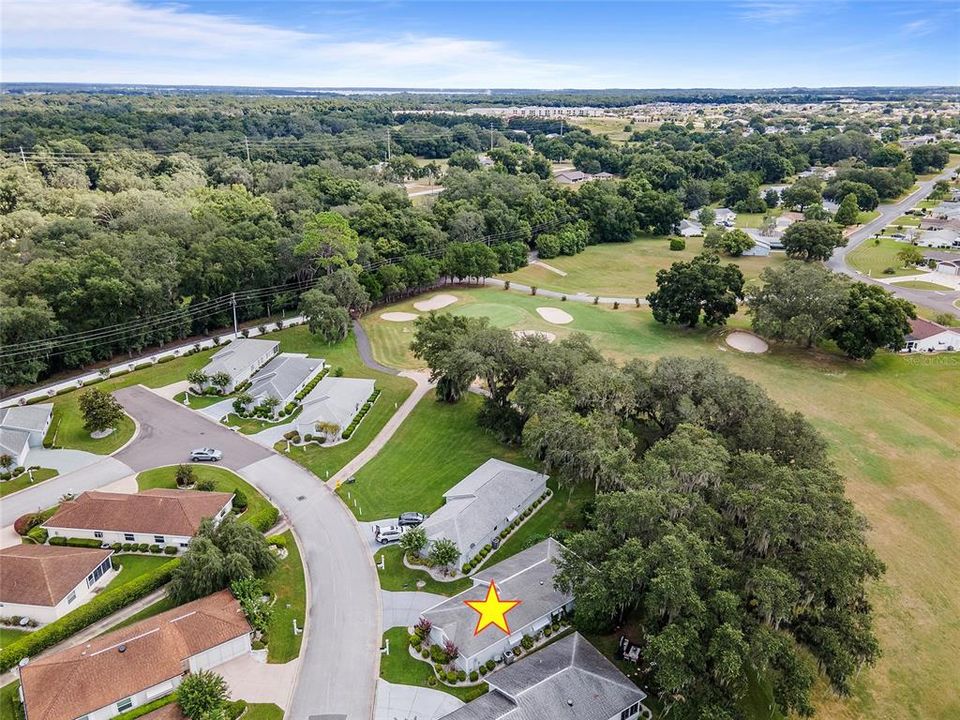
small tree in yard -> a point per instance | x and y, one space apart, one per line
185 476
6 462
324 315
220 379
100 410
201 694
444 553
414 540
910 255
241 401
848 212
198 378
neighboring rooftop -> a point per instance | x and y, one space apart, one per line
32 418
160 511
527 576
44 575
335 400
481 501
921 329
566 680
13 442
283 375
239 355
74 682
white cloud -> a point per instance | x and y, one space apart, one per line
123 41
770 13
918 28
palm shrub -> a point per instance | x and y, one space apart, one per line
201 694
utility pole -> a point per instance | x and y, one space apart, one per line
233 301
246 144
388 144
491 136
23 158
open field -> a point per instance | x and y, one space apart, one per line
397 577
893 427
133 566
624 269
612 127
876 254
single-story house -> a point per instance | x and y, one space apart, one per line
333 400
283 377
946 237
948 267
158 517
690 228
528 577
761 248
570 177
44 583
567 680
127 668
23 427
478 507
725 217
241 359
603 175
947 210
926 336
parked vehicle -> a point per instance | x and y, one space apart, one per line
387 533
206 455
411 519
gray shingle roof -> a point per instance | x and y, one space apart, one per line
567 680
334 400
281 376
481 501
32 418
239 355
527 576
12 442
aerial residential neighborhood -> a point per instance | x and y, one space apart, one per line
474 361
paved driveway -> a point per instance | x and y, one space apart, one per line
168 432
402 609
406 702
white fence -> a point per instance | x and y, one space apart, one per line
103 373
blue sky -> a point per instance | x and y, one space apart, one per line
548 44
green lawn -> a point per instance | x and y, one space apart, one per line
907 221
198 402
866 216
923 285
624 269
892 426
223 481
67 424
426 457
9 635
325 461
397 577
398 667
263 711
25 480
133 566
251 426
10 708
877 254
287 585
755 220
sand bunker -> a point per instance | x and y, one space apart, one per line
399 316
435 303
746 342
555 315
548 336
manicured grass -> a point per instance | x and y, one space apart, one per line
10 708
866 216
161 605
873 257
198 402
893 428
263 711
425 458
251 426
10 635
288 586
907 221
67 424
398 667
397 577
223 481
133 566
923 285
25 480
624 269
325 461
755 220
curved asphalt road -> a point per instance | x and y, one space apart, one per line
939 301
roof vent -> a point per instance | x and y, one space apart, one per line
122 648
570 703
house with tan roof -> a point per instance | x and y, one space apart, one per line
127 668
44 583
157 517
926 336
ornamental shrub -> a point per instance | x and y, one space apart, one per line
58 540
452 677
125 547
264 519
474 676
116 547
490 665
677 244
155 549
38 535
170 550
25 523
483 670
461 675
205 484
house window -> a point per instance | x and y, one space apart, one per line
630 711
184 544
124 704
128 537
71 597
158 539
97 534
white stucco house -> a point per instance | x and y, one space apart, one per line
127 668
23 427
44 583
567 680
283 377
334 400
241 359
156 517
527 576
480 506
926 336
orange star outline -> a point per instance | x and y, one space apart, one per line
493 610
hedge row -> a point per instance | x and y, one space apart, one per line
106 603
149 707
359 416
311 385
264 519
76 542
504 534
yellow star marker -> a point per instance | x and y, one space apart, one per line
493 610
